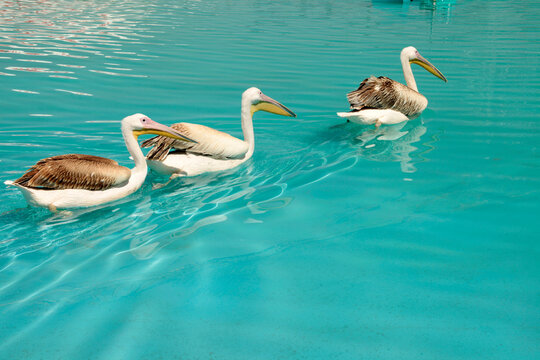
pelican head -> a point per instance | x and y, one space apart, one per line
412 55
259 101
140 124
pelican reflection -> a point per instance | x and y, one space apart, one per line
392 143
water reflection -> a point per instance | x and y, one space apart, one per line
390 143
431 4
437 9
78 31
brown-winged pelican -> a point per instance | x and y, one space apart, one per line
385 101
74 180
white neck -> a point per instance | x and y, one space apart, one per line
407 72
140 169
247 126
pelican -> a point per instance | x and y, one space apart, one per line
74 180
213 150
385 101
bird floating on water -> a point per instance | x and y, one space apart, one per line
213 150
74 180
385 101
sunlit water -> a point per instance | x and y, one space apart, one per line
415 241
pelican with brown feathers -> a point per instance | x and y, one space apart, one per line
74 180
385 101
213 150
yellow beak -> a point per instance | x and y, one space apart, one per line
272 106
420 60
160 129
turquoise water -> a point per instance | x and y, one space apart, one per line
414 241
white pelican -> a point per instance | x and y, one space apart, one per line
75 180
385 101
214 150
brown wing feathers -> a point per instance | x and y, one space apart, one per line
74 171
373 93
161 147
162 144
384 93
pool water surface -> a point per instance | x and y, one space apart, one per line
335 241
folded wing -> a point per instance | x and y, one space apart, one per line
384 93
75 171
210 142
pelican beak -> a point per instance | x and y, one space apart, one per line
270 105
152 127
420 60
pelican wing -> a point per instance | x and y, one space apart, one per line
209 142
74 171
384 93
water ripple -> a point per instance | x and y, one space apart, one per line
81 33
74 92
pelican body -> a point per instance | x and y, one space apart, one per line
214 150
75 180
385 101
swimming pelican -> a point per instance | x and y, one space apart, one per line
385 101
74 180
214 150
